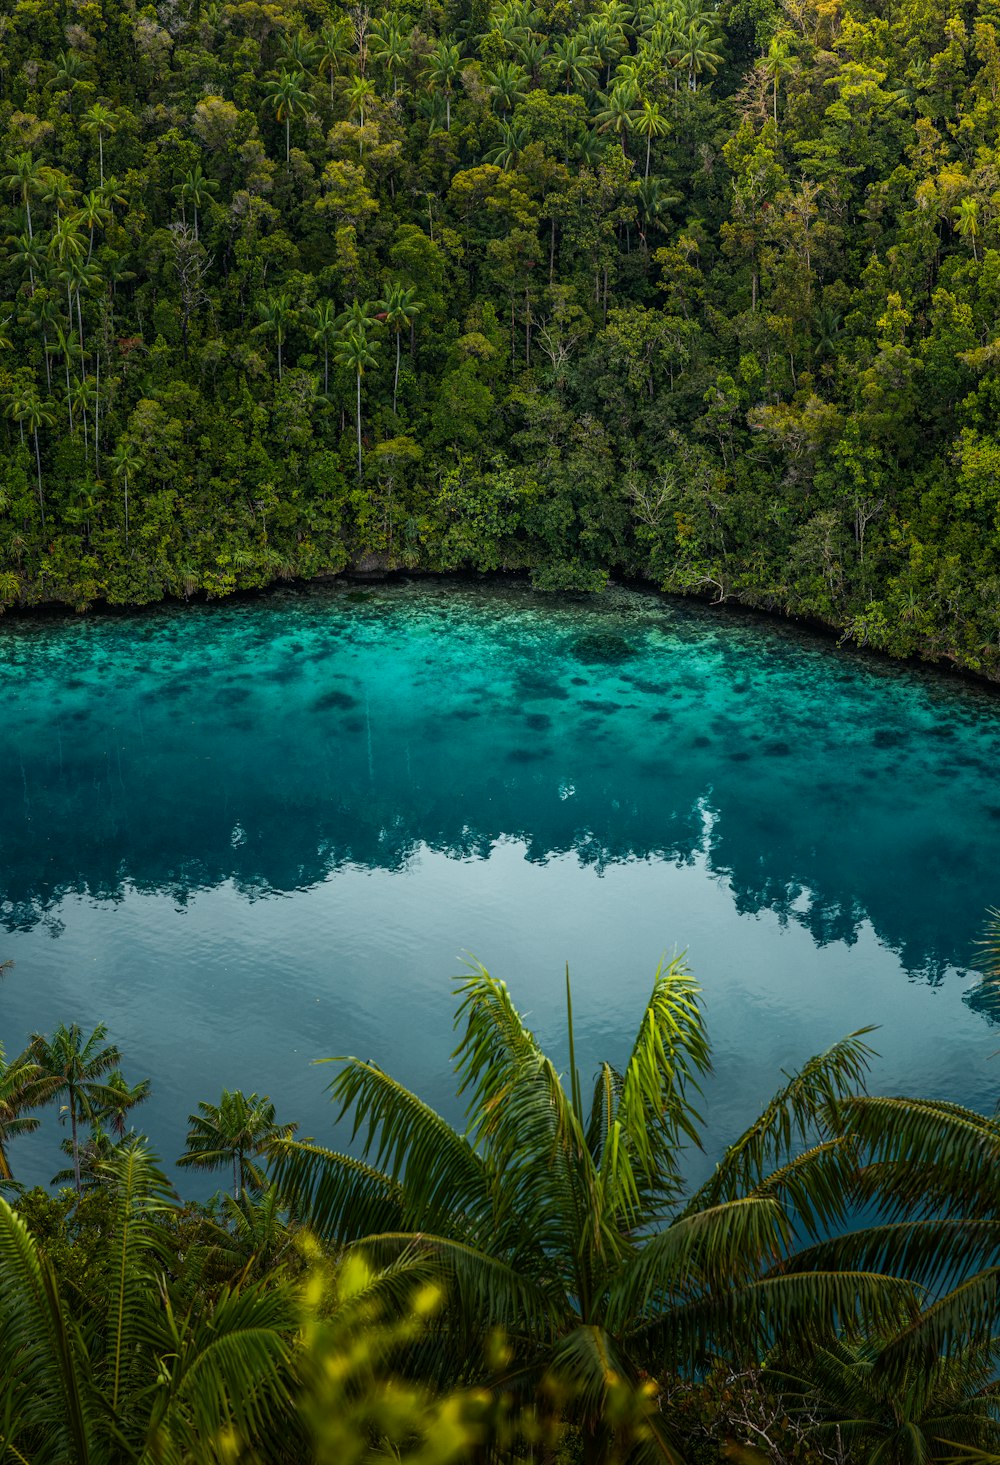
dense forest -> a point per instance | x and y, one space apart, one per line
701 295
542 1285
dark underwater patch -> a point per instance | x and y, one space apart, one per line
603 648
334 701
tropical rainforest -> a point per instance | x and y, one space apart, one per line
703 295
543 1284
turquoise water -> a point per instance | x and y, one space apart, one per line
246 836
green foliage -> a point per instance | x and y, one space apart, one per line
706 296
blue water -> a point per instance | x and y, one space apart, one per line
250 835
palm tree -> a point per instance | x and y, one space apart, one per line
848 1402
778 62
98 120
574 62
651 123
69 71
75 1065
125 463
400 309
444 67
571 1232
21 1087
126 1097
27 178
195 189
697 50
28 254
276 315
336 41
508 83
359 94
236 1131
321 328
32 413
93 214
618 113
289 98
356 352
513 137
391 48
967 222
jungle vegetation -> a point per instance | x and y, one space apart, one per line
543 1284
706 295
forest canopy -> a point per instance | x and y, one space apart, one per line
702 295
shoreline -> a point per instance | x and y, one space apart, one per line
359 576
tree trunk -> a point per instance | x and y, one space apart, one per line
395 380
76 1146
359 424
41 497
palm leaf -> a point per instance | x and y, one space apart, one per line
337 1196
39 1353
442 1176
811 1098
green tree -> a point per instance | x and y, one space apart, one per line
399 309
288 98
99 120
27 179
237 1131
570 1229
356 351
75 1065
443 68
125 463
276 315
195 189
28 409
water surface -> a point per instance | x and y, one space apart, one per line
249 835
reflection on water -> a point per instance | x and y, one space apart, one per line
314 741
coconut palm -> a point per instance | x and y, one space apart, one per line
321 327
359 94
97 121
26 178
618 113
650 122
288 98
125 463
508 82
28 409
75 1065
356 351
443 68
967 222
574 63
399 309
123 1098
336 42
22 1087
391 49
195 189
276 316
236 1131
571 1230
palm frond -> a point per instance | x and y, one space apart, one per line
793 1119
39 1359
484 1288
440 1171
711 1250
337 1196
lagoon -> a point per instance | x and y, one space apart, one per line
250 835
